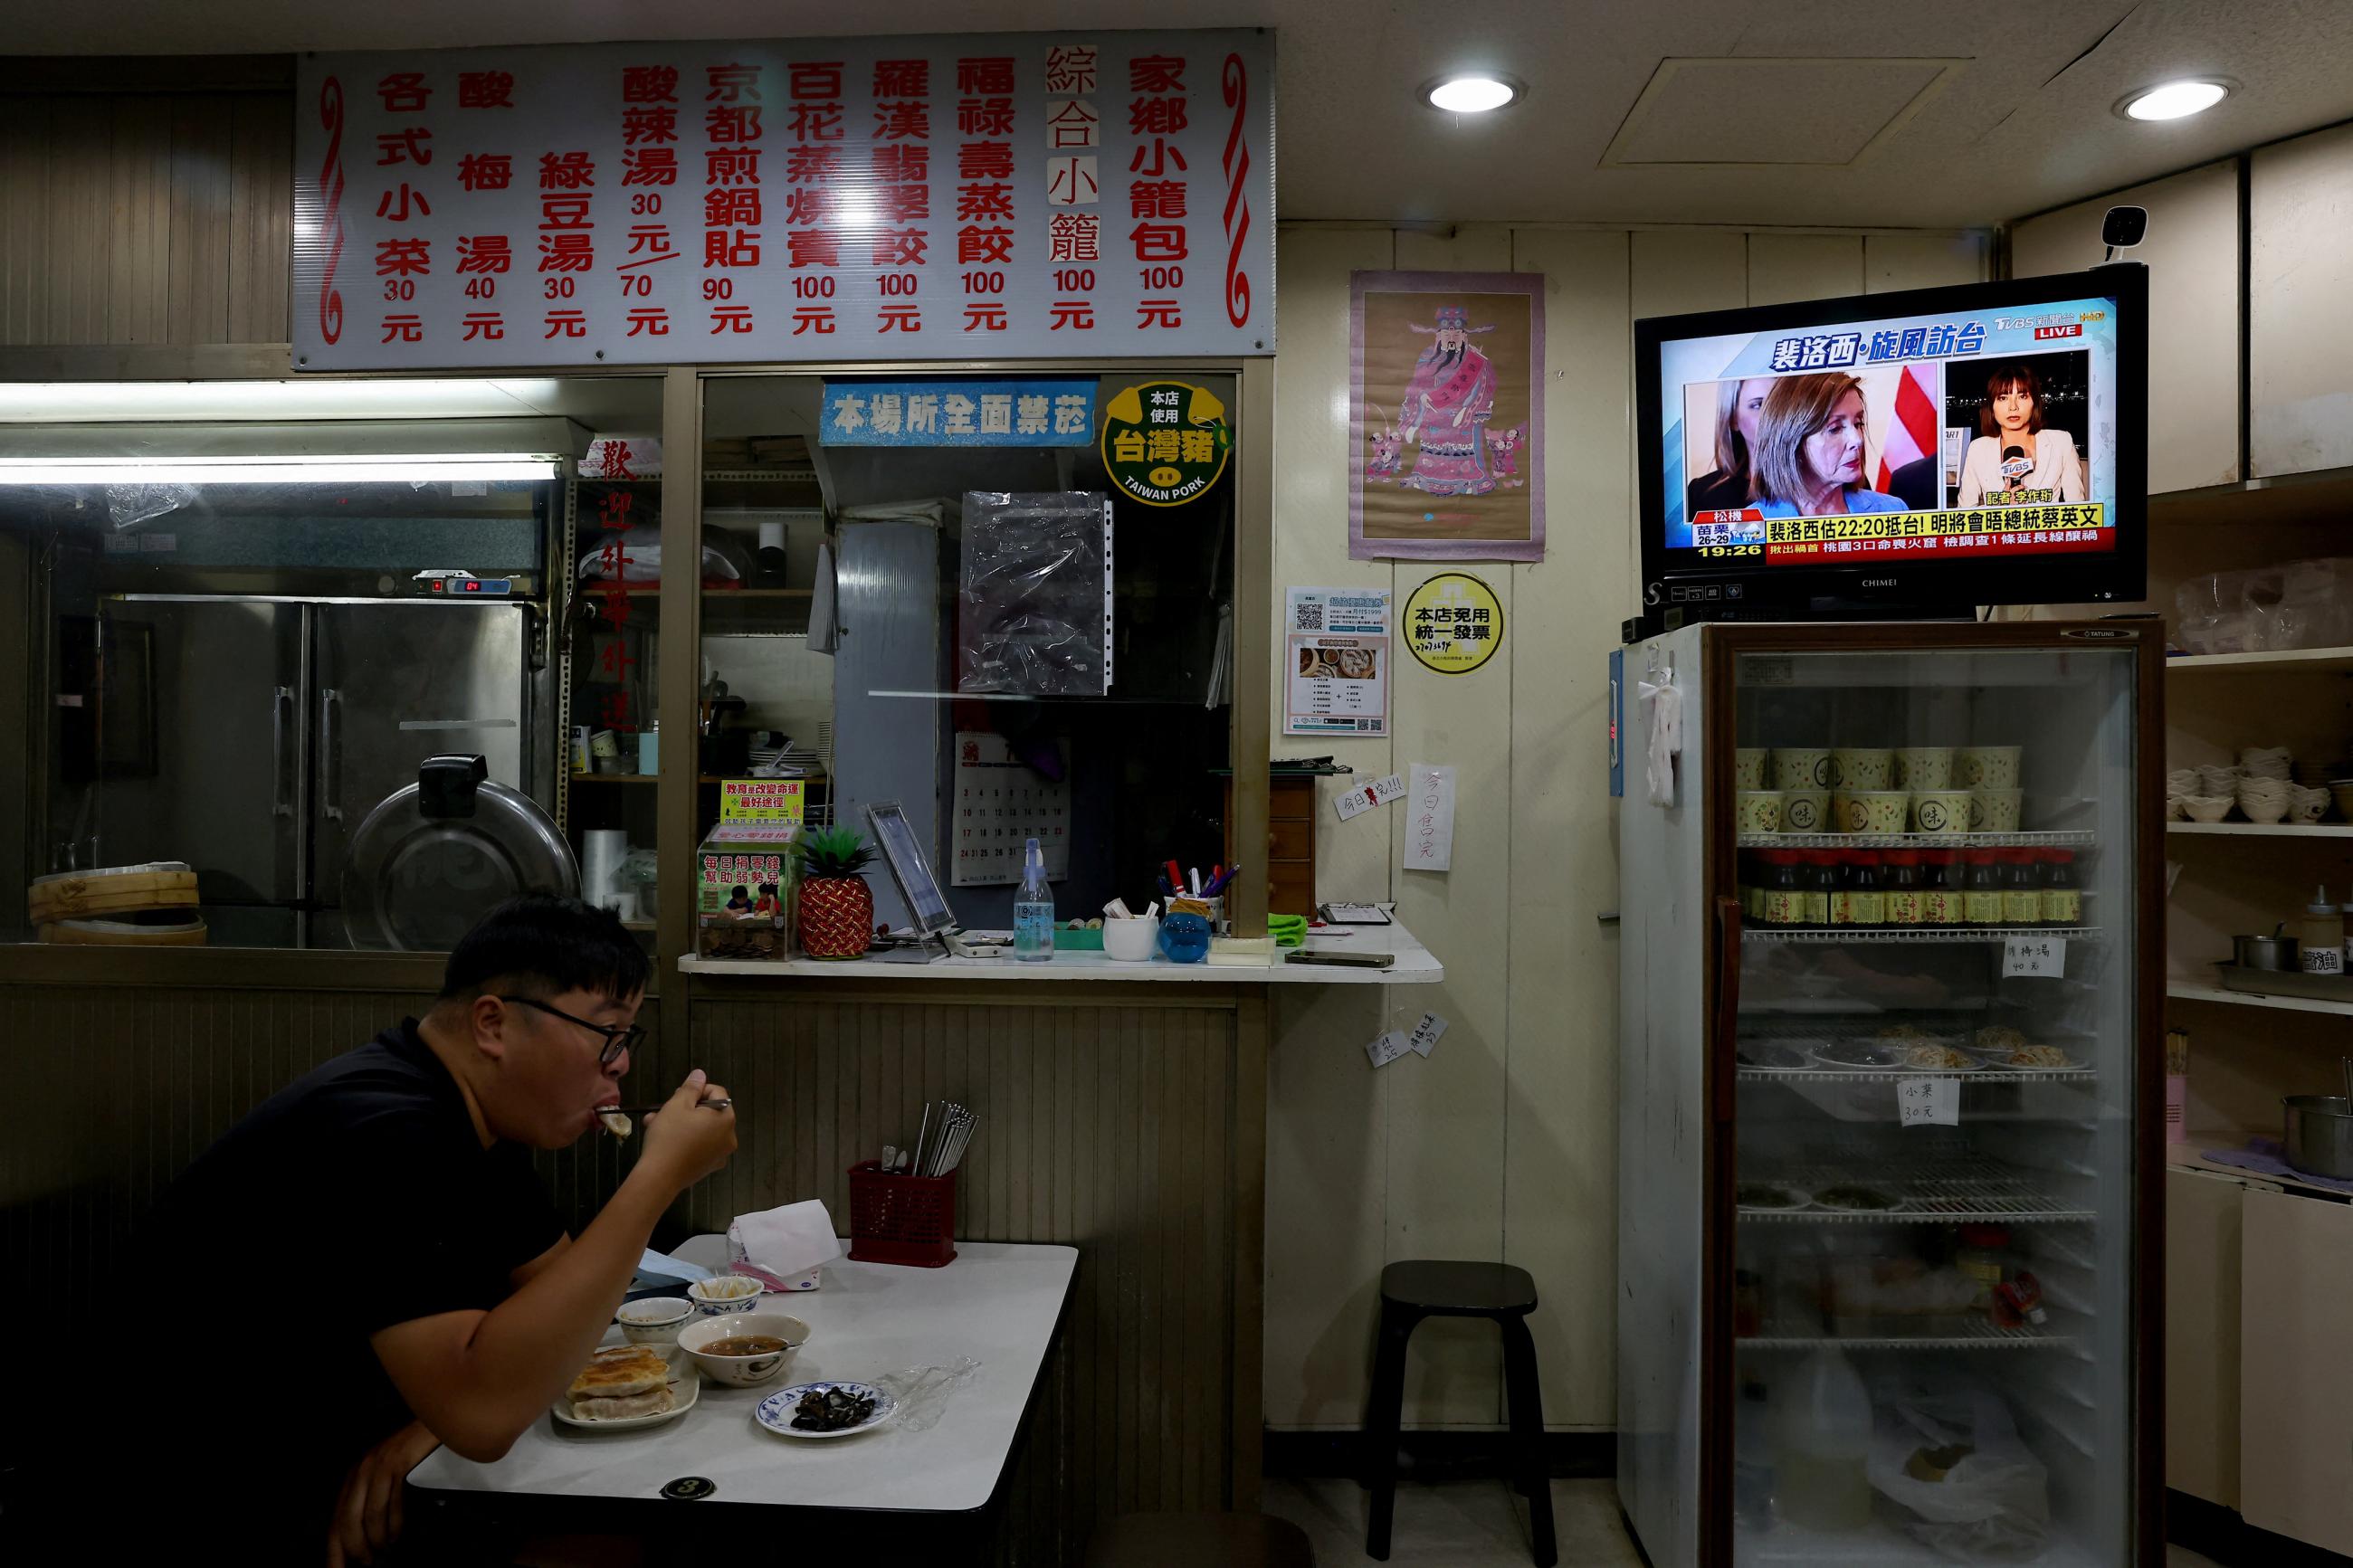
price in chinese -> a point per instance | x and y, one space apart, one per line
2035 956
1928 1103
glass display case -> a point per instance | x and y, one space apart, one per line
1896 927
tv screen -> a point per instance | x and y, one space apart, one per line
1928 450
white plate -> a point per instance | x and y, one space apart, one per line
685 1390
775 1412
1805 1199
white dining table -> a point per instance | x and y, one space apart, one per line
998 1303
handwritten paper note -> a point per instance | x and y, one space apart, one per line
1425 1033
1928 1103
1388 1048
2035 956
1429 818
1356 802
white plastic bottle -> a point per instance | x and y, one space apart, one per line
1822 1422
1033 909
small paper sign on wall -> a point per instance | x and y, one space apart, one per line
1430 818
1380 791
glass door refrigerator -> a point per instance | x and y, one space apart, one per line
1891 1123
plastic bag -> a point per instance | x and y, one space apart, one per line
1993 1504
922 1392
128 506
1036 606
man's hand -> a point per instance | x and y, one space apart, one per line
367 1513
684 1141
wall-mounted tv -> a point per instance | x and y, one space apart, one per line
1907 453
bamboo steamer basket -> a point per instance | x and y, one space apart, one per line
121 933
110 890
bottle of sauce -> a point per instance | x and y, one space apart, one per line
2022 891
2062 896
1906 895
1842 887
2321 949
1940 888
1981 888
1785 892
1867 895
1821 887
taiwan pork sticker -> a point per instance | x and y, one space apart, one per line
1166 443
1453 623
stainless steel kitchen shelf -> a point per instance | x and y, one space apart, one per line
1965 1189
2069 840
1889 1076
1980 1336
1842 935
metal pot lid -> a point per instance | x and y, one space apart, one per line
416 884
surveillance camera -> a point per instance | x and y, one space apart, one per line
2124 228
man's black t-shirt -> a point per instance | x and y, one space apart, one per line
356 1198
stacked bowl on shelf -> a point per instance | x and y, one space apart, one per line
2261 785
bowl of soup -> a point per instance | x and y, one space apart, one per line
742 1349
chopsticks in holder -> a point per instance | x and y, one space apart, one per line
939 1145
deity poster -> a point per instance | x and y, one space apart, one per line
1446 416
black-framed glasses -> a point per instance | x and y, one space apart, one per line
618 1038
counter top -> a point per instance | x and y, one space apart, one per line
1415 966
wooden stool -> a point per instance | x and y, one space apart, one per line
1434 1287
1194 1540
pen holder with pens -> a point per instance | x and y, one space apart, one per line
908 1220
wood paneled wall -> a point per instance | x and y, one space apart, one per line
134 1082
1502 1144
1131 1129
1127 1130
154 217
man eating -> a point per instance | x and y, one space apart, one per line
403 1280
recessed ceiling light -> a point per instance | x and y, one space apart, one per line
1471 94
2173 99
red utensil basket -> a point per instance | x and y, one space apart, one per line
902 1219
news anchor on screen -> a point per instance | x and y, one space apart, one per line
1738 405
2016 453
1809 451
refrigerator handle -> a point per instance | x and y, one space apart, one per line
1725 1046
281 706
331 750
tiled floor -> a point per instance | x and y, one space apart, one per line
1476 1524
1460 1524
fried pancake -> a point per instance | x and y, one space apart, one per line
618 1409
620 1370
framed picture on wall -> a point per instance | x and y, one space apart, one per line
1446 416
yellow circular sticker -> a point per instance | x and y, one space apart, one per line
1453 623
1165 443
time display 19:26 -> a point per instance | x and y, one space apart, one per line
1728 552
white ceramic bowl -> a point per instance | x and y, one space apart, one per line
2207 807
743 1371
2219 780
708 1299
655 1321
2305 805
1131 941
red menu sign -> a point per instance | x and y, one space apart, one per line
1015 195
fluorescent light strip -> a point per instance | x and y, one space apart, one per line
276 471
